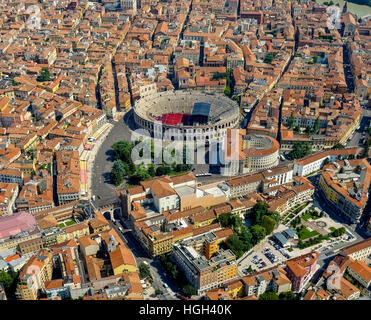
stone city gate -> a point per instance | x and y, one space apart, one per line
111 211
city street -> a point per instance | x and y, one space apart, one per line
103 162
355 139
140 255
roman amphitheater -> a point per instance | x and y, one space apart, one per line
186 115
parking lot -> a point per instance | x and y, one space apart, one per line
264 255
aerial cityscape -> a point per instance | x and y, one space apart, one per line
185 150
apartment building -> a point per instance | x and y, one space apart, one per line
31 246
34 274
129 5
273 279
287 196
11 176
345 184
260 181
203 273
316 161
8 195
359 251
68 176
361 272
301 269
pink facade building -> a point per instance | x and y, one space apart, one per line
301 269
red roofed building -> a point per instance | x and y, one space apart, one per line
301 269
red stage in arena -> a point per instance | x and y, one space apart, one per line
172 118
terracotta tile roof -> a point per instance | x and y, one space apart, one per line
182 178
53 284
223 233
208 228
204 216
297 265
121 256
362 269
357 247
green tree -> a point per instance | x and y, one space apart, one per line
218 75
189 290
236 245
6 279
299 150
246 237
317 125
49 168
287 295
225 219
269 295
268 224
163 170
44 75
308 130
139 175
297 129
291 121
151 170
122 151
269 57
227 90
258 233
259 210
158 292
119 166
130 167
116 177
338 232
15 83
145 271
229 220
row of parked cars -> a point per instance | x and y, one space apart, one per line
259 262
270 255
